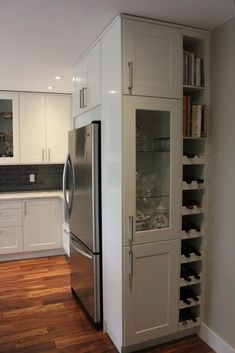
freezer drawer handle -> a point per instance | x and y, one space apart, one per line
82 252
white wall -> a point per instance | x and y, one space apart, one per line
220 281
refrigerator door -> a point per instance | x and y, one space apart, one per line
84 217
85 277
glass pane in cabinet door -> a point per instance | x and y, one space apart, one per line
6 128
152 169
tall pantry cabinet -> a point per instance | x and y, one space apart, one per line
142 174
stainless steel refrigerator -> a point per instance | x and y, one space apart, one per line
82 195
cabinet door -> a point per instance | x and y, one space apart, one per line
58 118
9 128
86 86
80 88
152 169
11 240
151 60
42 224
93 78
32 128
151 291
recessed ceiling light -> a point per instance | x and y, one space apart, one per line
57 77
50 87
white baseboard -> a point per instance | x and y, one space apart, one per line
214 341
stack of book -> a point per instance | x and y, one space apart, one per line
193 70
194 118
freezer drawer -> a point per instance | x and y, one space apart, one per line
86 277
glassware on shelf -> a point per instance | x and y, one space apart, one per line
162 144
148 185
142 221
159 217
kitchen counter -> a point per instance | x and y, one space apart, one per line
26 195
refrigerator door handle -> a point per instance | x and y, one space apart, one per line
68 205
64 182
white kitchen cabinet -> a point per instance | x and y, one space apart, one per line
32 128
58 112
42 224
11 240
151 291
142 176
152 172
141 114
44 124
87 82
9 128
11 237
151 59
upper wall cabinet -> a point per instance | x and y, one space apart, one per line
9 128
151 60
44 124
58 112
87 82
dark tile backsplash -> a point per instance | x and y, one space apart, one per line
16 177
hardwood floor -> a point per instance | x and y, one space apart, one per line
38 314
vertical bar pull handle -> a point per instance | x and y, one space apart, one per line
131 229
43 154
130 267
84 97
130 69
81 98
25 208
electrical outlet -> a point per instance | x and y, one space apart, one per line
32 178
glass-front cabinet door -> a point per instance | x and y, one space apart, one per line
9 128
152 169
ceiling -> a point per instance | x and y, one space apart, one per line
44 38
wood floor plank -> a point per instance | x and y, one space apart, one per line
38 313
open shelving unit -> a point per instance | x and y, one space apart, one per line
194 172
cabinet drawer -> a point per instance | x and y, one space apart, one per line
10 218
9 204
11 240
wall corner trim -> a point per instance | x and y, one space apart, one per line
214 341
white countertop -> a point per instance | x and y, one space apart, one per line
30 195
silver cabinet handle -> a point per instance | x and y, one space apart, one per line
130 267
84 97
81 98
49 154
131 229
130 69
43 155
25 209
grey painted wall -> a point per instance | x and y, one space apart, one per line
220 287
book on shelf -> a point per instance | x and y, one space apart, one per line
194 118
193 74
